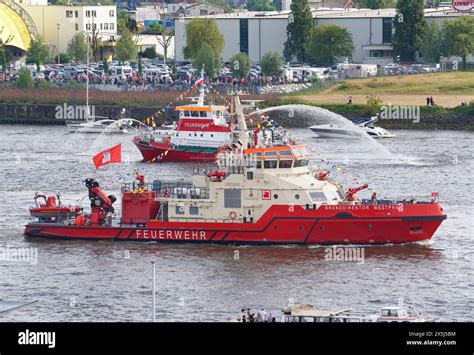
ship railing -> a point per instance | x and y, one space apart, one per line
171 190
419 199
205 220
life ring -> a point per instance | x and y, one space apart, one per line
232 215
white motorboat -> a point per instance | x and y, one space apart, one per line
346 131
101 126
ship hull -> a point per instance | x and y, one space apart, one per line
161 152
370 225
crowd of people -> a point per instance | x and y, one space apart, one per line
262 316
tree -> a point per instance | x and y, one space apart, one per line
240 65
271 63
25 79
164 36
300 23
206 58
126 47
105 66
376 4
409 26
149 53
200 31
77 47
125 23
63 58
431 43
37 53
259 5
328 42
458 37
3 60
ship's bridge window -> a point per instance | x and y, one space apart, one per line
301 162
186 113
179 209
203 113
270 164
194 114
285 153
286 164
271 154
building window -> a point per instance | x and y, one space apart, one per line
111 26
88 26
106 26
68 13
76 13
77 27
111 13
94 13
244 36
94 26
194 210
387 30
101 26
88 13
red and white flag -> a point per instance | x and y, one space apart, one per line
111 155
198 82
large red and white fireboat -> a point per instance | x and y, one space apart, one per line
257 195
201 132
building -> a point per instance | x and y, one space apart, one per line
196 9
57 24
257 33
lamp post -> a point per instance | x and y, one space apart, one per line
58 27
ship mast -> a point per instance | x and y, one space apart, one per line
201 89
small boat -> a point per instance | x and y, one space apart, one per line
306 313
101 126
51 209
201 132
346 131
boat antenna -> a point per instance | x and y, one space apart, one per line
201 89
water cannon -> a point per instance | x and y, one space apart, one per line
350 194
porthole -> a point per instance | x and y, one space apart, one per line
275 196
301 228
297 196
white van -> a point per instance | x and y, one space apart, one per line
120 71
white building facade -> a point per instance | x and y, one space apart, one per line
257 33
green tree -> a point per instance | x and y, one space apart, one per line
200 31
149 53
259 5
63 58
140 66
328 42
458 37
124 22
300 23
25 79
271 63
409 25
206 58
164 36
376 4
126 47
77 47
105 65
37 53
3 60
432 43
240 65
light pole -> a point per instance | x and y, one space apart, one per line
153 267
58 27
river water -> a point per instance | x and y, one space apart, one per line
111 281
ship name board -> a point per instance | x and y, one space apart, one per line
170 234
195 125
363 207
